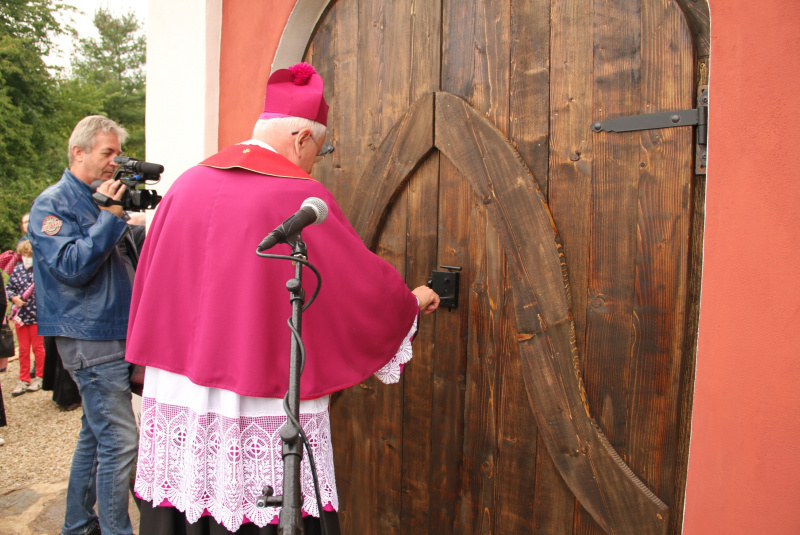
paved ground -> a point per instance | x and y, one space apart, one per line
39 510
34 462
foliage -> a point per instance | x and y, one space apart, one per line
115 66
39 107
25 107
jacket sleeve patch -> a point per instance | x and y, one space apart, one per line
51 225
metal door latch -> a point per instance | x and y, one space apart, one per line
445 284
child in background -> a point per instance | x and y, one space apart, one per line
21 293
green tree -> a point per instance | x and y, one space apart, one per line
26 108
114 66
40 107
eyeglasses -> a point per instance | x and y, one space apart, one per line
324 150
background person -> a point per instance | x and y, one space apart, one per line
84 261
3 423
22 294
23 227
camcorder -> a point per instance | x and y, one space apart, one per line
133 173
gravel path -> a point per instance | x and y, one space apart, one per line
39 437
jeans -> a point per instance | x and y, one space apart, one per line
104 455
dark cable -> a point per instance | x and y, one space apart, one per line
303 436
306 263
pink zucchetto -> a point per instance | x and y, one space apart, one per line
296 92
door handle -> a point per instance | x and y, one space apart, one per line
446 284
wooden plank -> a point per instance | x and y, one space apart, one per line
418 435
571 145
342 115
352 416
688 364
370 84
612 257
393 23
336 38
461 73
662 258
426 46
423 195
319 52
355 100
476 509
517 475
554 503
458 41
571 106
529 86
449 371
490 94
386 458
397 61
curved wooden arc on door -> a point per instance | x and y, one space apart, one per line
399 154
605 486
699 19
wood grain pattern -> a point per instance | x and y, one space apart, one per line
617 500
385 478
612 253
517 475
342 122
570 180
428 179
699 18
506 199
450 363
662 238
418 378
529 86
480 39
700 32
482 356
401 151
423 206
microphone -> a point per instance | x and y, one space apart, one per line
313 211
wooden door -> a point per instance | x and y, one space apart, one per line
549 400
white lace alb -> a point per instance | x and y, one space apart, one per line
210 451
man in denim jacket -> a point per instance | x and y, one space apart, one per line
84 262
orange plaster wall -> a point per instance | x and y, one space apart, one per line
744 464
251 30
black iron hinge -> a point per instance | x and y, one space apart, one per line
695 117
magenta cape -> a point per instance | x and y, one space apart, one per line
206 307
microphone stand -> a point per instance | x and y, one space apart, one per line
290 521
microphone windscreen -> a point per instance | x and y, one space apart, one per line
319 207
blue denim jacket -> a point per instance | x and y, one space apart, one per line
82 284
